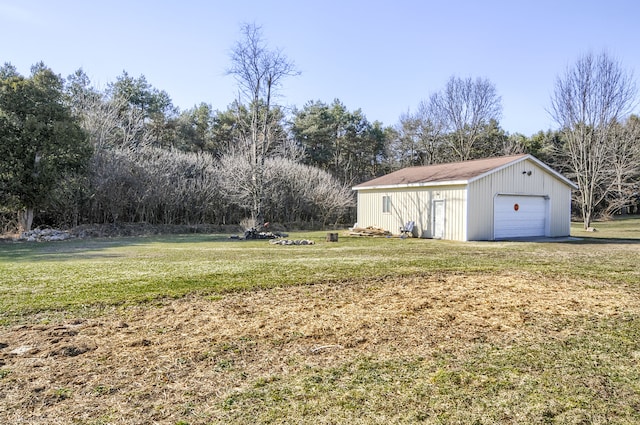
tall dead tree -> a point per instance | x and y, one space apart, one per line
589 101
625 166
259 72
466 106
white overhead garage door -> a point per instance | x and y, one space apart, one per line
517 216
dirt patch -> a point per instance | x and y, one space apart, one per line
151 364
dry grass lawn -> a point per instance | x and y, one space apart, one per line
312 354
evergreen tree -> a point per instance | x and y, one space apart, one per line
40 141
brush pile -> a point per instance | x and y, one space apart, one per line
44 235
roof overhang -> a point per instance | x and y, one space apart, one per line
533 159
410 185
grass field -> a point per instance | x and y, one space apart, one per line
199 329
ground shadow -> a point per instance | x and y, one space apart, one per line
574 240
88 248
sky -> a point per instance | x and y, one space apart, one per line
382 57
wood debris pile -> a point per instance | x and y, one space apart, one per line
45 235
369 231
254 233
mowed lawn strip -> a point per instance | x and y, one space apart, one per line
84 274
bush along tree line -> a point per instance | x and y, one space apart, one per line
71 154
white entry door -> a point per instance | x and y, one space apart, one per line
517 216
438 219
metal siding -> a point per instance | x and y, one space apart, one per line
514 180
414 205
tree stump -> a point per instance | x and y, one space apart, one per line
332 237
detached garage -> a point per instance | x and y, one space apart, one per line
486 199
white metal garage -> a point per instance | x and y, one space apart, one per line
486 199
519 216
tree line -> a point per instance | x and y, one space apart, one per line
72 154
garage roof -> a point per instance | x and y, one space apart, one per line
452 173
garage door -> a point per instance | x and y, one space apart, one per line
519 216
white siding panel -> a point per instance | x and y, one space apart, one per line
516 180
414 205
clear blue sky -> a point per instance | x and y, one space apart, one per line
380 56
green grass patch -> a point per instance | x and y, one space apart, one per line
77 275
622 227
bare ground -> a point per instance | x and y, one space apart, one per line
149 364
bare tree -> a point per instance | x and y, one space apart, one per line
466 106
106 116
588 102
420 138
430 131
259 72
625 166
295 191
155 185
